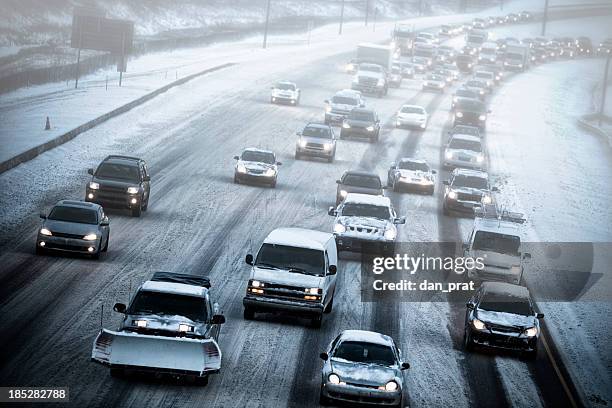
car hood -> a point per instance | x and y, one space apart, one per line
362 190
505 319
257 165
283 92
359 123
470 153
342 106
468 190
70 227
366 374
319 140
114 182
415 174
355 221
497 259
413 116
284 277
163 322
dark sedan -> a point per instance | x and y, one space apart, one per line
363 123
74 226
471 112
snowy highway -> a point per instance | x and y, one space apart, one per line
199 222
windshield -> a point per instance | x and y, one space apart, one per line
170 304
255 156
362 115
461 144
471 106
475 84
500 243
484 75
434 78
470 182
359 180
424 52
465 93
365 210
360 352
319 132
370 68
412 109
302 260
475 39
419 60
118 172
415 166
344 100
74 214
466 130
495 302
285 86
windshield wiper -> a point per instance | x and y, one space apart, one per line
266 265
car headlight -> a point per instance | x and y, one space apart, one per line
370 128
90 237
140 323
482 92
478 325
313 291
94 186
469 65
459 114
328 109
380 82
334 379
515 269
455 99
452 195
270 173
487 199
346 125
257 284
44 231
241 168
343 193
339 228
302 143
355 79
133 190
531 332
350 67
185 328
391 386
520 65
327 146
448 155
480 158
390 234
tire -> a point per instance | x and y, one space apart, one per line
96 255
395 188
117 373
342 135
248 314
315 322
445 210
297 156
533 354
330 306
323 400
105 249
236 181
468 343
273 184
431 191
202 381
136 211
145 207
330 159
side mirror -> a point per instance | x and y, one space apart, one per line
495 189
540 315
279 163
405 366
392 166
446 182
105 222
465 246
43 215
333 269
434 172
526 255
90 171
327 101
119 308
469 305
332 211
249 259
218 319
489 111
400 220
338 181
298 133
324 356
146 178
236 158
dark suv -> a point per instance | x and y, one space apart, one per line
120 182
361 122
353 181
471 112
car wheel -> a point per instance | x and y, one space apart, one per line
236 181
136 211
395 187
145 204
315 321
96 255
342 135
431 191
323 400
297 156
117 373
248 314
203 381
468 342
273 184
331 158
105 249
329 306
39 250
533 354
445 210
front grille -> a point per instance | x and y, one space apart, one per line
340 111
375 387
361 398
367 81
367 230
285 292
314 146
113 189
503 329
468 197
80 248
255 171
65 235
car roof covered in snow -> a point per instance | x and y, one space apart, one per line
412 160
365 336
357 198
256 149
470 173
317 125
505 289
175 288
462 136
348 92
78 204
285 83
497 226
298 237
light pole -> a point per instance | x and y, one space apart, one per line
265 39
341 18
367 11
604 89
544 17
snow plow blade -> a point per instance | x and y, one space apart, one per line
159 354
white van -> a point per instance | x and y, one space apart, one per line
294 271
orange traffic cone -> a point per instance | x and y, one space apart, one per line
48 124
